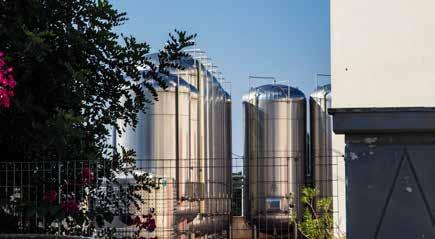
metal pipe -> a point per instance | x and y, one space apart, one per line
196 50
262 77
317 78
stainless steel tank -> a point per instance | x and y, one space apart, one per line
162 200
275 130
218 156
213 151
212 148
184 136
321 140
164 145
228 154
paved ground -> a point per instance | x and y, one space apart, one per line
241 230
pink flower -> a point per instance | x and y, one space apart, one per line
151 224
70 206
3 92
50 196
88 175
2 61
11 82
136 220
7 83
4 98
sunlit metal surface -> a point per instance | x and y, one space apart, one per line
321 140
186 135
275 126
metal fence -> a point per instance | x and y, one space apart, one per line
48 197
86 198
257 221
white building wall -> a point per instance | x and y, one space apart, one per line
383 53
339 186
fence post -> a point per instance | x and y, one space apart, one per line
230 232
255 232
59 190
295 230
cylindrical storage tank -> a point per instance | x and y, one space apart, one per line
187 207
204 86
202 131
219 160
275 135
210 145
161 199
163 142
321 141
228 154
212 154
194 146
218 156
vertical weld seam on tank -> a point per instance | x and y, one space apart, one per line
177 138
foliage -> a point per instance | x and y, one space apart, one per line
79 198
71 70
317 221
69 64
7 82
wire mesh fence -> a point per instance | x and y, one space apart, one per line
262 193
98 199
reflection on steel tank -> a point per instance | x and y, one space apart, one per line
185 136
321 140
275 142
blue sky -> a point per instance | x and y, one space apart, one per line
287 39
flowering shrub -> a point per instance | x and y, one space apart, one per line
83 198
72 70
50 196
7 83
145 224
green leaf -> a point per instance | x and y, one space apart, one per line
100 220
54 209
108 216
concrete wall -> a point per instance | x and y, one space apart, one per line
383 53
339 187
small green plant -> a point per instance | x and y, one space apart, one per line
317 221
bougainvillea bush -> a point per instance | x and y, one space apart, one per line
77 198
7 82
70 67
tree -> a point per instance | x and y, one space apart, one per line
70 72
